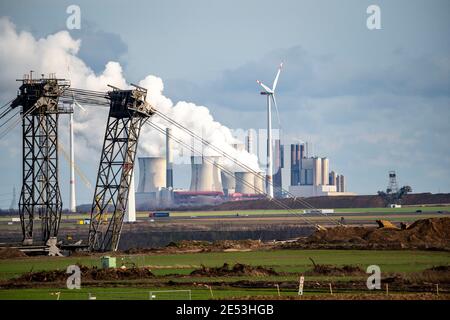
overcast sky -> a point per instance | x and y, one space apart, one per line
369 100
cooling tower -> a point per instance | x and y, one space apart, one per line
245 182
325 164
259 182
317 171
228 183
204 175
152 174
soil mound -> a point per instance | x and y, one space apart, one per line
433 233
325 269
189 244
87 273
216 245
237 244
439 269
238 269
10 253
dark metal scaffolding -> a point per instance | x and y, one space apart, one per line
128 111
40 194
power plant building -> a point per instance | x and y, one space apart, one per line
310 176
278 165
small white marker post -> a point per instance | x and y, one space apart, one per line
278 289
331 289
300 285
57 294
210 290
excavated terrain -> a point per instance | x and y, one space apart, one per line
433 233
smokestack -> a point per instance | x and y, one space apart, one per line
152 174
205 176
169 160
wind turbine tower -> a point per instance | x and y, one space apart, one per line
73 205
270 93
73 202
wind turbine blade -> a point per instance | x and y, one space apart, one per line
276 78
266 88
276 109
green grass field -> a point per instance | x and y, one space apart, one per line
140 293
280 260
292 262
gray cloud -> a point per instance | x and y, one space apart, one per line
367 116
98 46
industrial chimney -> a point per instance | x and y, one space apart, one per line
169 160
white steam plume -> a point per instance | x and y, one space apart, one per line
57 53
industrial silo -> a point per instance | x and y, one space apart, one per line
332 178
245 182
325 164
317 171
205 176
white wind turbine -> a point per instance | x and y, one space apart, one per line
270 93
73 203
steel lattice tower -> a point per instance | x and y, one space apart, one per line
393 186
40 192
128 111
